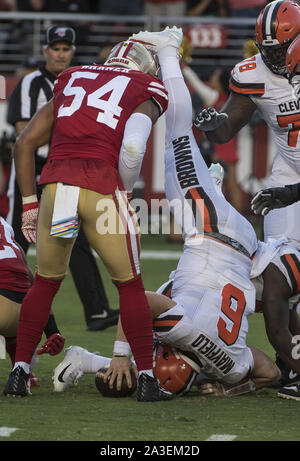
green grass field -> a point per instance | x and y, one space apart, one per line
82 414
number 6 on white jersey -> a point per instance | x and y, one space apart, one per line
110 108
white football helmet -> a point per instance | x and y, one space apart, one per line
134 56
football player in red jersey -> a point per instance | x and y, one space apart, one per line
15 280
96 112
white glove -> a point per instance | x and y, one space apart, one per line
295 82
209 119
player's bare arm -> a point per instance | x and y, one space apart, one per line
264 373
150 109
121 363
37 133
277 315
239 109
20 126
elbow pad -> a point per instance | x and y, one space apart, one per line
136 134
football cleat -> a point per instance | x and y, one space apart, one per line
18 384
69 370
107 319
290 392
158 40
288 376
149 390
216 172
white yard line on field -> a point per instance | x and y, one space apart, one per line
7 431
221 438
145 254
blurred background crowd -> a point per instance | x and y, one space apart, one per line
217 35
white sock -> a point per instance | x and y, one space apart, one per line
147 372
168 61
24 365
92 362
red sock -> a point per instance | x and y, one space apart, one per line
10 344
136 321
34 315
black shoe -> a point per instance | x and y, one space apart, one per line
148 390
288 376
290 392
107 319
17 384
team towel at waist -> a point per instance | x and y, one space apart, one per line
65 219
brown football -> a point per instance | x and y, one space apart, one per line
106 391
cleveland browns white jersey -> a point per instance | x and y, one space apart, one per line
214 297
273 96
286 258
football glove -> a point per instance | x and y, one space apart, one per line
277 197
209 119
29 221
54 345
295 82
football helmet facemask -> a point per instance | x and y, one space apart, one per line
175 371
133 55
276 27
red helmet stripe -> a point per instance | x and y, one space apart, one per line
127 49
119 49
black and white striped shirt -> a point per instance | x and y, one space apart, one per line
32 92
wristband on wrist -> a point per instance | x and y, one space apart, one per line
121 349
30 199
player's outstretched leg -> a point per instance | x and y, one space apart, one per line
157 40
69 370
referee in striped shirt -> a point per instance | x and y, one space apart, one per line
31 93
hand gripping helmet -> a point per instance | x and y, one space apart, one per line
276 27
133 55
292 62
175 371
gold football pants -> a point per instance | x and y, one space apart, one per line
110 226
9 316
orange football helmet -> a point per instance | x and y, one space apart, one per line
175 371
293 66
292 60
276 27
133 55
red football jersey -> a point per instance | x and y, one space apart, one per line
92 105
14 274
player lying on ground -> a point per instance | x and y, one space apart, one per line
274 273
